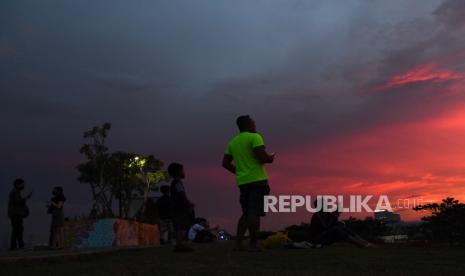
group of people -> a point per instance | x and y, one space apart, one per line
176 214
245 156
18 211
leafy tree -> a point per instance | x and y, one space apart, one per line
447 220
124 180
150 174
119 175
93 170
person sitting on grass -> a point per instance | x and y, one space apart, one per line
182 207
326 229
201 232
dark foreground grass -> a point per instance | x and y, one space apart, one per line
219 259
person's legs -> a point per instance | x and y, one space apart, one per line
203 237
54 238
163 231
340 233
256 194
14 231
242 223
180 237
61 238
242 226
328 237
17 230
170 232
253 223
181 224
20 233
354 238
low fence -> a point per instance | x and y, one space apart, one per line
109 232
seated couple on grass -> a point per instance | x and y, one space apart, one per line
326 229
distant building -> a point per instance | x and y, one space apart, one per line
386 216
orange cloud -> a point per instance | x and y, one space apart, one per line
423 73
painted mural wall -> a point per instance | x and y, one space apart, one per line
109 232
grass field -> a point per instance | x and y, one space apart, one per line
219 259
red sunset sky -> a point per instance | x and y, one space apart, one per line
356 96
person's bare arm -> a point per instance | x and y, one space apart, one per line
228 163
58 205
262 156
212 228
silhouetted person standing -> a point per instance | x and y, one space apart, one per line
17 211
55 208
245 157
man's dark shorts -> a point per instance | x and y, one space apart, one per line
252 198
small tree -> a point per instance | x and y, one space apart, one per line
447 220
93 170
150 173
118 175
124 179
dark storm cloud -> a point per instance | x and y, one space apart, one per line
452 13
324 91
297 66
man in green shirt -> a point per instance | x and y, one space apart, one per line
245 157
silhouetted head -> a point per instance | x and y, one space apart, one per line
57 191
176 171
18 183
165 190
246 123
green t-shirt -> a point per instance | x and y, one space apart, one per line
248 168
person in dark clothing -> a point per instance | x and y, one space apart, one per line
165 213
326 229
182 207
55 208
17 212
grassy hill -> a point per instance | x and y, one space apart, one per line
219 259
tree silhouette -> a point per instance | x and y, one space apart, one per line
93 170
124 180
119 175
447 220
